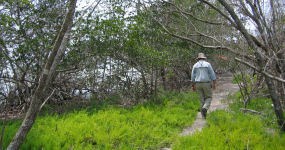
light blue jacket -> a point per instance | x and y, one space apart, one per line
202 72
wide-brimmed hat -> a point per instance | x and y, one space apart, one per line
201 56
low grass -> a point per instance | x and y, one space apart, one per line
236 130
146 126
154 125
232 131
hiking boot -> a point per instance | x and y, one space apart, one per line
204 113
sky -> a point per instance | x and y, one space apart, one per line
83 4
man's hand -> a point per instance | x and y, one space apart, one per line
193 87
214 85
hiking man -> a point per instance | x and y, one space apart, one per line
204 80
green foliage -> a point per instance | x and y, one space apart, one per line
10 129
262 105
239 79
232 131
147 126
153 125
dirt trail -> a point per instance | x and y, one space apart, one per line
225 87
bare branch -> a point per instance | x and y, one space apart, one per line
7 79
198 32
237 23
239 26
90 11
259 70
258 43
244 8
68 70
192 16
218 10
207 36
275 42
201 45
258 17
47 99
250 111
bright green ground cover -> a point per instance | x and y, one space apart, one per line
236 130
232 131
148 126
153 125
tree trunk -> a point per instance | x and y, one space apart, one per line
276 103
27 123
44 81
281 67
155 82
275 98
163 77
260 61
145 85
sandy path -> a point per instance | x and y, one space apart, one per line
225 87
